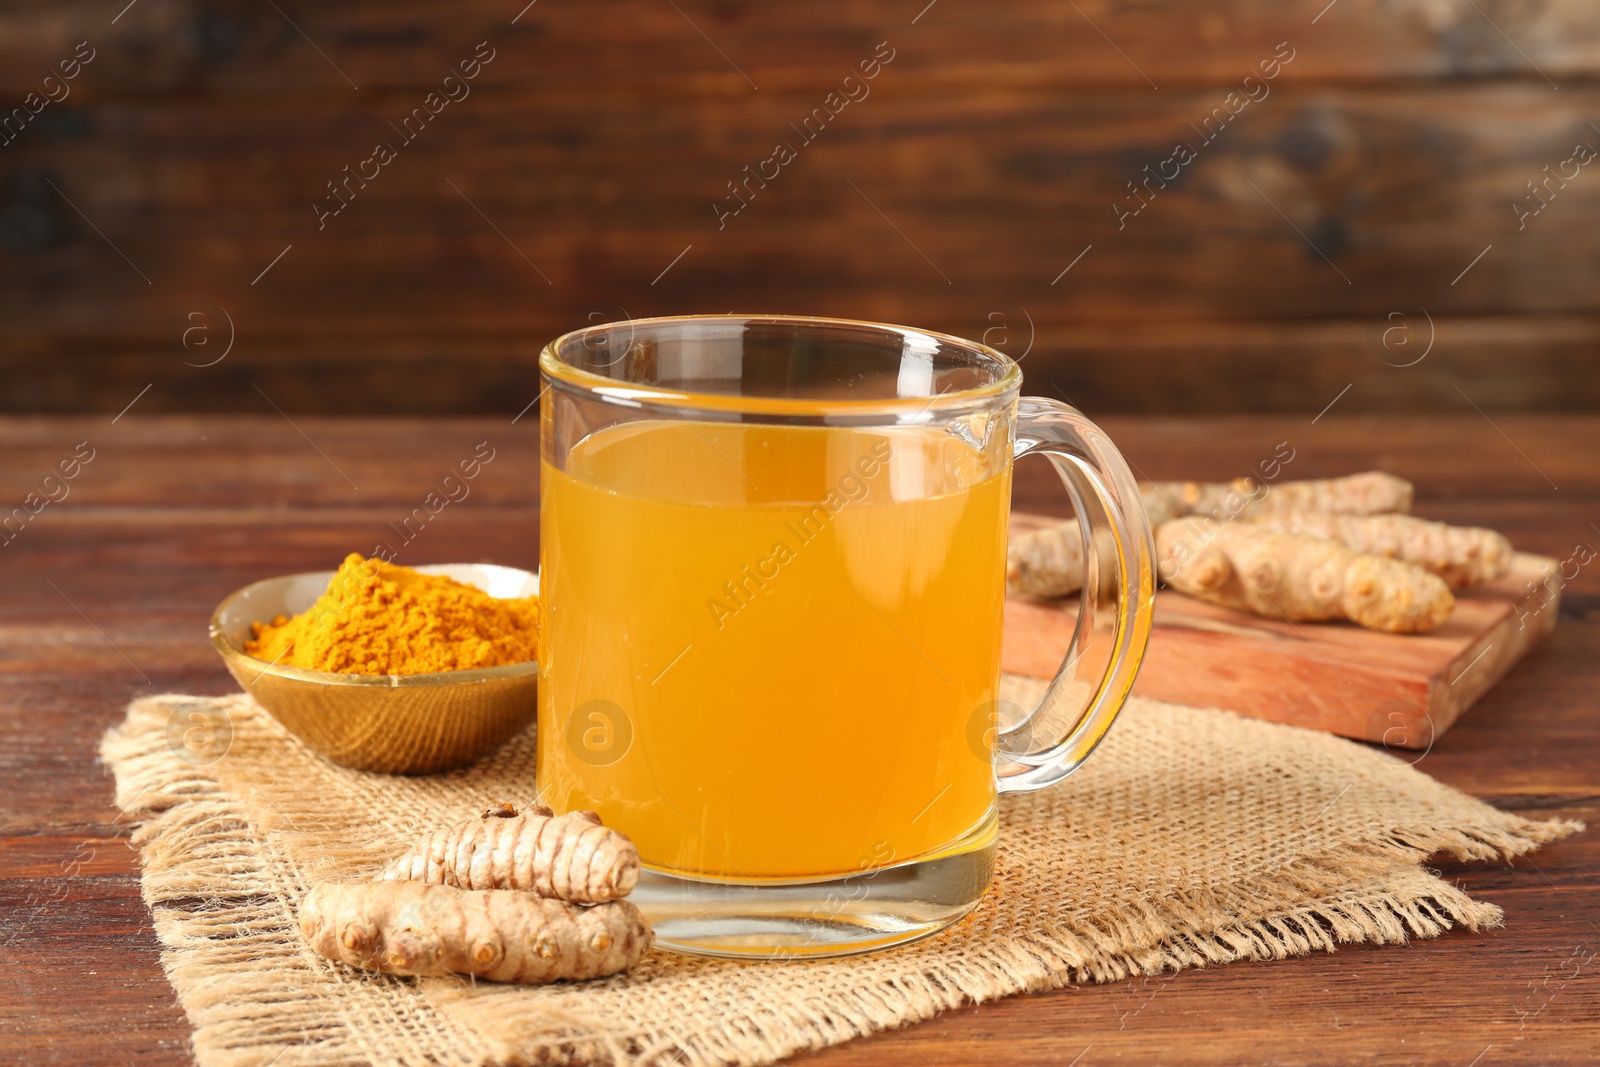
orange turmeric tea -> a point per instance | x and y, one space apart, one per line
771 651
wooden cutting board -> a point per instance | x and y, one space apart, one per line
1402 690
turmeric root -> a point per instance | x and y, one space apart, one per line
1046 562
1461 555
408 928
1283 575
1369 493
569 857
1049 562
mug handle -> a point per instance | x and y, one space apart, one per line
1115 605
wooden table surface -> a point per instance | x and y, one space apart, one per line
105 593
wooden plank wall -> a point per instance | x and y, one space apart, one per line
1333 220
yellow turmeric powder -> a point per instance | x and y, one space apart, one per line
382 618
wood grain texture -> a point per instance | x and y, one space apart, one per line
993 194
1228 367
995 147
189 46
174 513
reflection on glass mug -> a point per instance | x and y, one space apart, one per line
773 570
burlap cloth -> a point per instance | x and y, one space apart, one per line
1193 837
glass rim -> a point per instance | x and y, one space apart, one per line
1008 383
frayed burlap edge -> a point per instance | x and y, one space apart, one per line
257 995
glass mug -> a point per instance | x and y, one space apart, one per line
772 560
